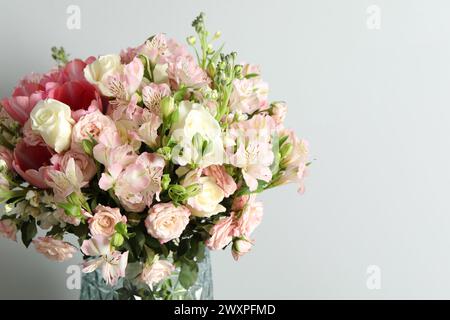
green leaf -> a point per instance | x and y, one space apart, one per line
138 242
188 273
183 247
88 146
251 75
150 253
29 231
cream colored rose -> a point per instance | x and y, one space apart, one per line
53 121
198 136
101 69
166 222
157 271
207 202
104 221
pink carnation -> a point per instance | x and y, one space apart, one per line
8 229
54 249
222 178
221 234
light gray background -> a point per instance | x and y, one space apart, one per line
374 105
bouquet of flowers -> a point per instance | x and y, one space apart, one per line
148 157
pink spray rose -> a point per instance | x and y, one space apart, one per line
156 272
221 233
54 249
222 178
104 220
166 222
8 229
30 162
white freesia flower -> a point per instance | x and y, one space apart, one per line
198 136
53 120
101 69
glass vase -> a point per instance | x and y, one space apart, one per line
93 287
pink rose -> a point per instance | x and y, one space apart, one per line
166 222
156 272
104 220
249 219
7 156
54 249
30 161
221 233
222 178
8 229
82 160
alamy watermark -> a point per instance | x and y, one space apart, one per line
373 21
373 281
73 21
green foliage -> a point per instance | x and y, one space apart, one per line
60 56
29 231
188 273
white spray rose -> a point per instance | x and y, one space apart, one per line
53 120
101 69
198 136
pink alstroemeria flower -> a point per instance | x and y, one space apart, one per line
112 263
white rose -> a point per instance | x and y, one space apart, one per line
101 69
207 202
195 128
52 119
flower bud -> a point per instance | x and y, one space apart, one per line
167 106
240 247
286 150
165 181
191 40
117 240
